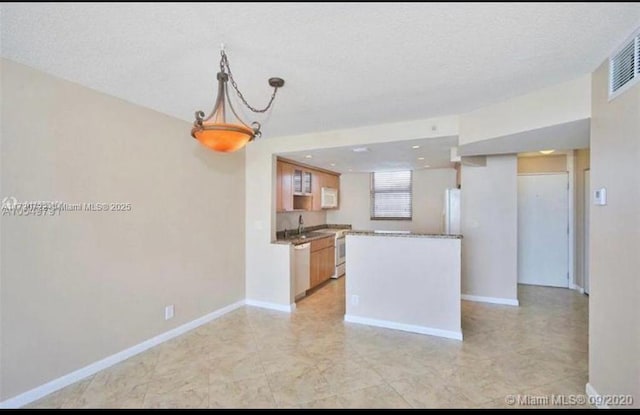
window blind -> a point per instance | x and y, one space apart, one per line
391 195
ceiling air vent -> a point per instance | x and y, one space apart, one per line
624 67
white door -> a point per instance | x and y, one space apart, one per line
587 206
543 220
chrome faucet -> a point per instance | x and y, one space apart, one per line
300 225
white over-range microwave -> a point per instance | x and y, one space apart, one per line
329 197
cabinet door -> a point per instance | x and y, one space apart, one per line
287 187
333 181
325 265
279 187
329 260
315 265
297 180
315 194
306 182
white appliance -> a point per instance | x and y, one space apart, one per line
451 214
329 197
341 250
302 277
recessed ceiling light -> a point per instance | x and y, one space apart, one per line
547 151
420 158
308 156
350 169
361 149
414 147
426 165
333 164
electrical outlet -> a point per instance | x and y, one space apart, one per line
355 299
168 312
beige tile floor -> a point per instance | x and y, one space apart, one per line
311 358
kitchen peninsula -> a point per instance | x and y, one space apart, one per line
404 281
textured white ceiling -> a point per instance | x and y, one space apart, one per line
566 136
345 65
392 156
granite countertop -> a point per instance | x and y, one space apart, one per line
298 241
292 240
403 234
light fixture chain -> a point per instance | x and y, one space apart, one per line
224 62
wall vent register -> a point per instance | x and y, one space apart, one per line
624 66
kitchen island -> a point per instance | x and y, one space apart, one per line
404 281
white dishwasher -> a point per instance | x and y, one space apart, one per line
302 269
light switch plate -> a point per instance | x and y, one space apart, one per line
600 196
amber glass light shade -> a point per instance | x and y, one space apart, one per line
226 138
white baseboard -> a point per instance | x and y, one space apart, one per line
457 335
595 396
272 306
492 300
66 380
577 288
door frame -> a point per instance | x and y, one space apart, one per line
572 216
586 200
571 283
572 220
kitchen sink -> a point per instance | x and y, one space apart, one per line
313 234
306 235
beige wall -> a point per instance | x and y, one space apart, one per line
614 302
542 164
557 104
289 220
84 285
581 163
490 228
419 288
428 199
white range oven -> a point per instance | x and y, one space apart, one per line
341 251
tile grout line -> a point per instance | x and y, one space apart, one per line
264 369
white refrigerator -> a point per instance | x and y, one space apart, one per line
451 213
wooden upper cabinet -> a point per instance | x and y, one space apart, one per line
302 181
297 180
307 182
332 181
286 183
316 185
299 187
279 187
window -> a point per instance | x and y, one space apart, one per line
391 195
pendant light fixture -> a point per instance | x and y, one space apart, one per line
224 131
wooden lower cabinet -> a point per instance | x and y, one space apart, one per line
316 260
328 263
323 264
